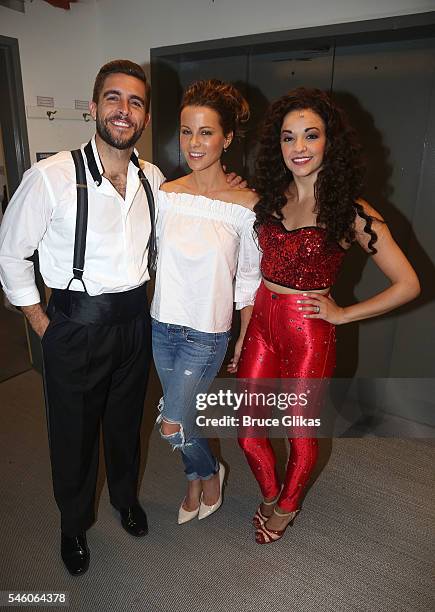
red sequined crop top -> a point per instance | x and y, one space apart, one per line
300 259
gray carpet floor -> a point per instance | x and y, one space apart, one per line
362 542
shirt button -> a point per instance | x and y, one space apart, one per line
274 297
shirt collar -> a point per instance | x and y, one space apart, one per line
97 172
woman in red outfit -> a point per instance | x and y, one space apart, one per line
309 181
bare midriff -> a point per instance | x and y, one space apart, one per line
288 290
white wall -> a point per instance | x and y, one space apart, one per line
60 54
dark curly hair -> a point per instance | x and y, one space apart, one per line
339 182
224 98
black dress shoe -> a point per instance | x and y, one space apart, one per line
134 520
75 553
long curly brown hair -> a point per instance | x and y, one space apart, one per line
339 182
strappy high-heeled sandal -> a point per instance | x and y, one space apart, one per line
264 535
259 518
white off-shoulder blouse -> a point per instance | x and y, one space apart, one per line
207 259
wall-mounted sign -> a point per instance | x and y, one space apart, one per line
81 105
46 101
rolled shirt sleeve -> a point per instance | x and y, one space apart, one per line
24 224
248 275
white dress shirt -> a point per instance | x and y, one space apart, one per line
207 259
42 215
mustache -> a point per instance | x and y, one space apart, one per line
120 117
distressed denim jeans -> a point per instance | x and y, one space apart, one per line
187 361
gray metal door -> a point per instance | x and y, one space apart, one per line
388 91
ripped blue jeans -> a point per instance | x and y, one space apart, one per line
187 361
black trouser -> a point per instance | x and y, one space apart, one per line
95 374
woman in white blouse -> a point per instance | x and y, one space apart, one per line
207 259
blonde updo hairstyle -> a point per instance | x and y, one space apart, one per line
224 99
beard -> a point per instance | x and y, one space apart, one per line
118 142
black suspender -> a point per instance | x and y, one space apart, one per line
81 218
82 209
92 164
151 246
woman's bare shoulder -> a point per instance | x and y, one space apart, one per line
243 197
177 186
377 225
369 210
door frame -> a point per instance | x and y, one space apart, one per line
14 86
416 25
17 157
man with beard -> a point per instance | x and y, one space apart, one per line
96 337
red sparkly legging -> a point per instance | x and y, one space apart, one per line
281 343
